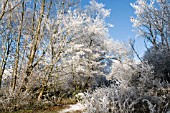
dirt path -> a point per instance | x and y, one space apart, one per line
76 108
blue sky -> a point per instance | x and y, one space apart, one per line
121 11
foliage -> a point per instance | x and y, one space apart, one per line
51 49
140 93
159 59
54 52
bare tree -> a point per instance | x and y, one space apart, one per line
17 52
152 21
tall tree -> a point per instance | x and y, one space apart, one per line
152 21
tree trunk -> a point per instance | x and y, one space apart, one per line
15 70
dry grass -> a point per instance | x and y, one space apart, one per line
66 101
54 109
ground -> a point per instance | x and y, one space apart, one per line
75 108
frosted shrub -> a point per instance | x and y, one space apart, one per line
131 74
10 101
159 59
101 100
138 92
109 99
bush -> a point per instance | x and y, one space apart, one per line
160 60
141 93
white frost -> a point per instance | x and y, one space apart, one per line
74 107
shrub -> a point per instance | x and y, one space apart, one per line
140 93
160 60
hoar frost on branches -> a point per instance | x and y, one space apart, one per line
87 33
152 21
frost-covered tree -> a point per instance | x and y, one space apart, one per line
86 44
152 21
8 32
26 42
